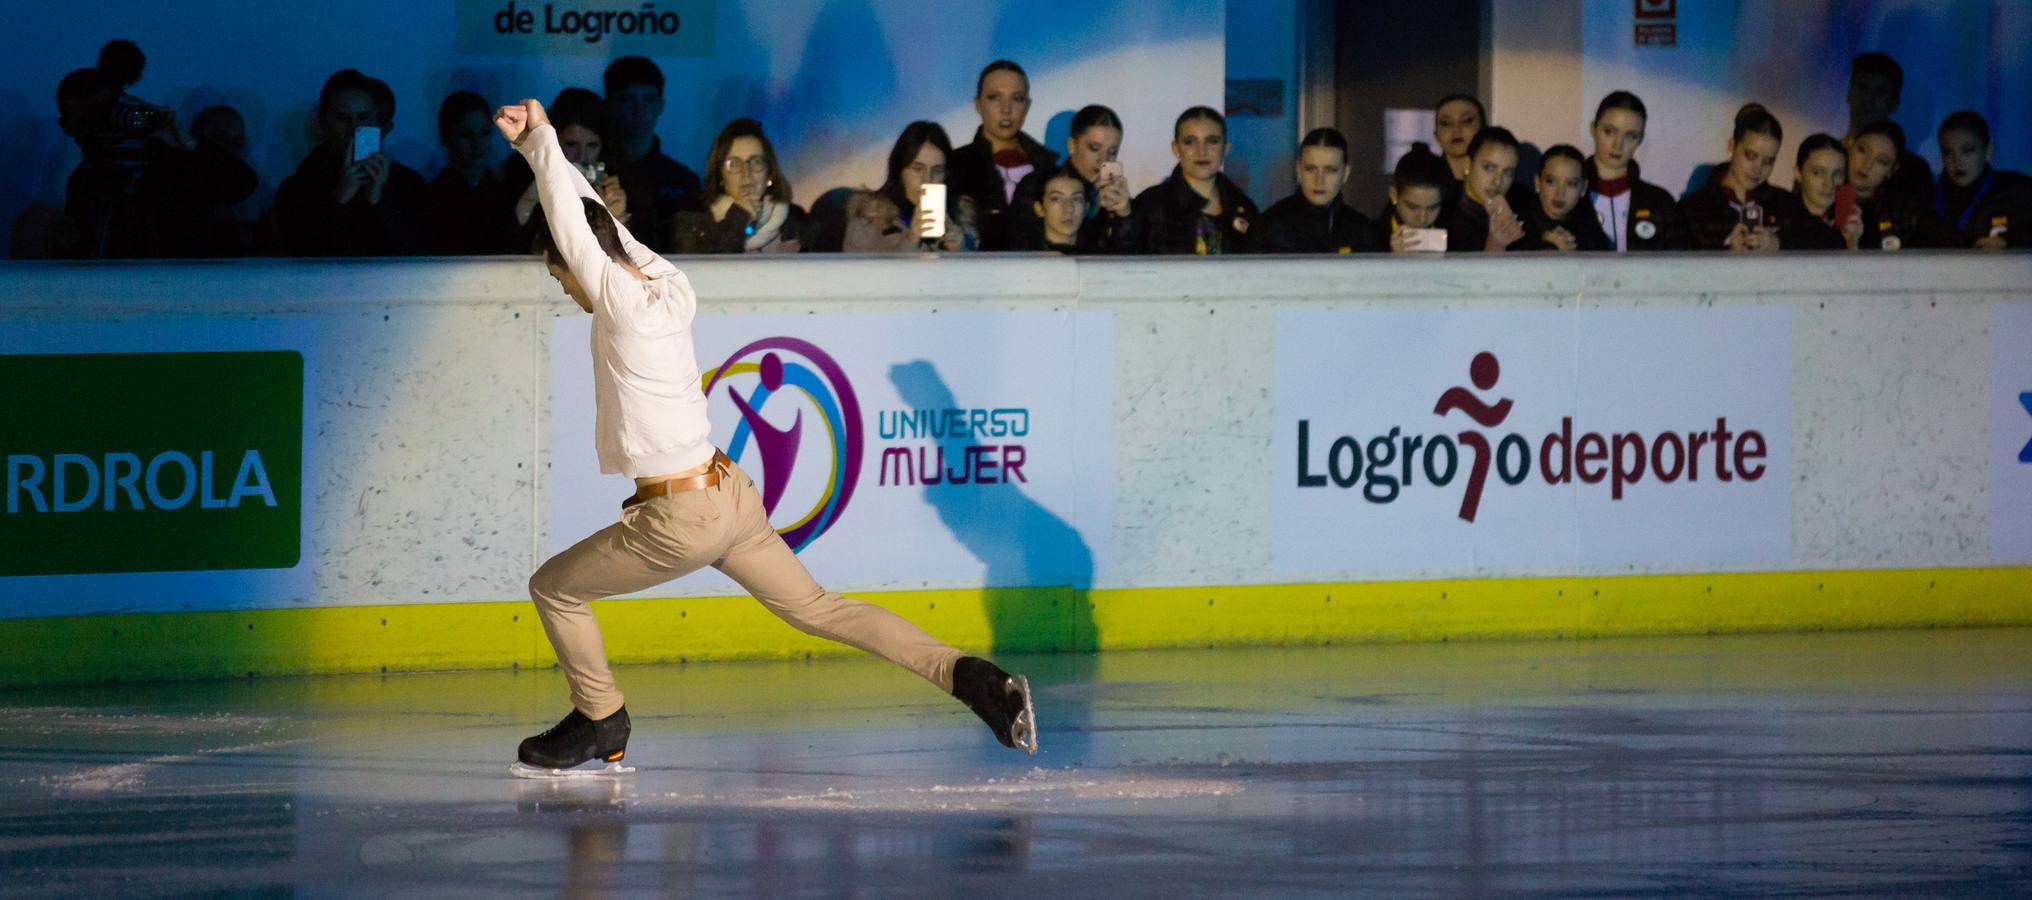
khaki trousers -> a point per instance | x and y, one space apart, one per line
727 528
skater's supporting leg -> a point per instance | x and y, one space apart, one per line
764 565
654 542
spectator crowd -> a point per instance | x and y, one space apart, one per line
149 188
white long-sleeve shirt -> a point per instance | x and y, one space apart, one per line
650 412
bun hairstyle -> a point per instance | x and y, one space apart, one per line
1420 167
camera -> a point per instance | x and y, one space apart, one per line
133 118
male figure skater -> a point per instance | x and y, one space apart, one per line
692 506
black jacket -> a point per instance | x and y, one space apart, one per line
1806 231
309 222
1170 219
1711 213
1467 225
1913 181
158 209
1648 203
1103 231
1901 221
1581 222
1999 199
695 232
658 188
972 173
1295 225
472 219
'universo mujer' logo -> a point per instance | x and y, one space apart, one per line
754 375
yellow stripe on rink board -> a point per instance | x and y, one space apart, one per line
439 637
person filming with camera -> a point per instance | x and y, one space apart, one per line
145 187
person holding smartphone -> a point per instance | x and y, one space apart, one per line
1481 220
1740 210
1198 210
1830 216
1093 143
1412 223
692 506
902 215
1315 218
347 197
1979 206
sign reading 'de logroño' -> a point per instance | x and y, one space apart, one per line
151 462
1422 443
585 27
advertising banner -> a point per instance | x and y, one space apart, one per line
140 480
893 451
1441 443
2011 432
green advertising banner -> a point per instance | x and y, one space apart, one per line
151 462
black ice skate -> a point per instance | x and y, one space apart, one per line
561 751
1002 700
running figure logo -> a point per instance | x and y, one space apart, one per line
824 384
1484 371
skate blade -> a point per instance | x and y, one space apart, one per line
1024 730
525 770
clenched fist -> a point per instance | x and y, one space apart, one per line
517 120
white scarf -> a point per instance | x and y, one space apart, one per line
774 215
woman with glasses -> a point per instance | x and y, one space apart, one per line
885 220
750 210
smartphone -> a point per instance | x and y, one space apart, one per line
931 209
1844 204
1424 240
1110 171
1753 216
366 142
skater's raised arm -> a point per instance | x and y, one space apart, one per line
563 192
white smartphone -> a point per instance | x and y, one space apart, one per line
1111 171
366 142
931 211
1425 240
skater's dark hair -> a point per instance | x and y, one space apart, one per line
605 230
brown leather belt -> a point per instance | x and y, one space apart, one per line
710 478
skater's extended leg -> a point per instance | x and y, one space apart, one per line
763 564
653 543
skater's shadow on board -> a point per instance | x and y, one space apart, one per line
1038 568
